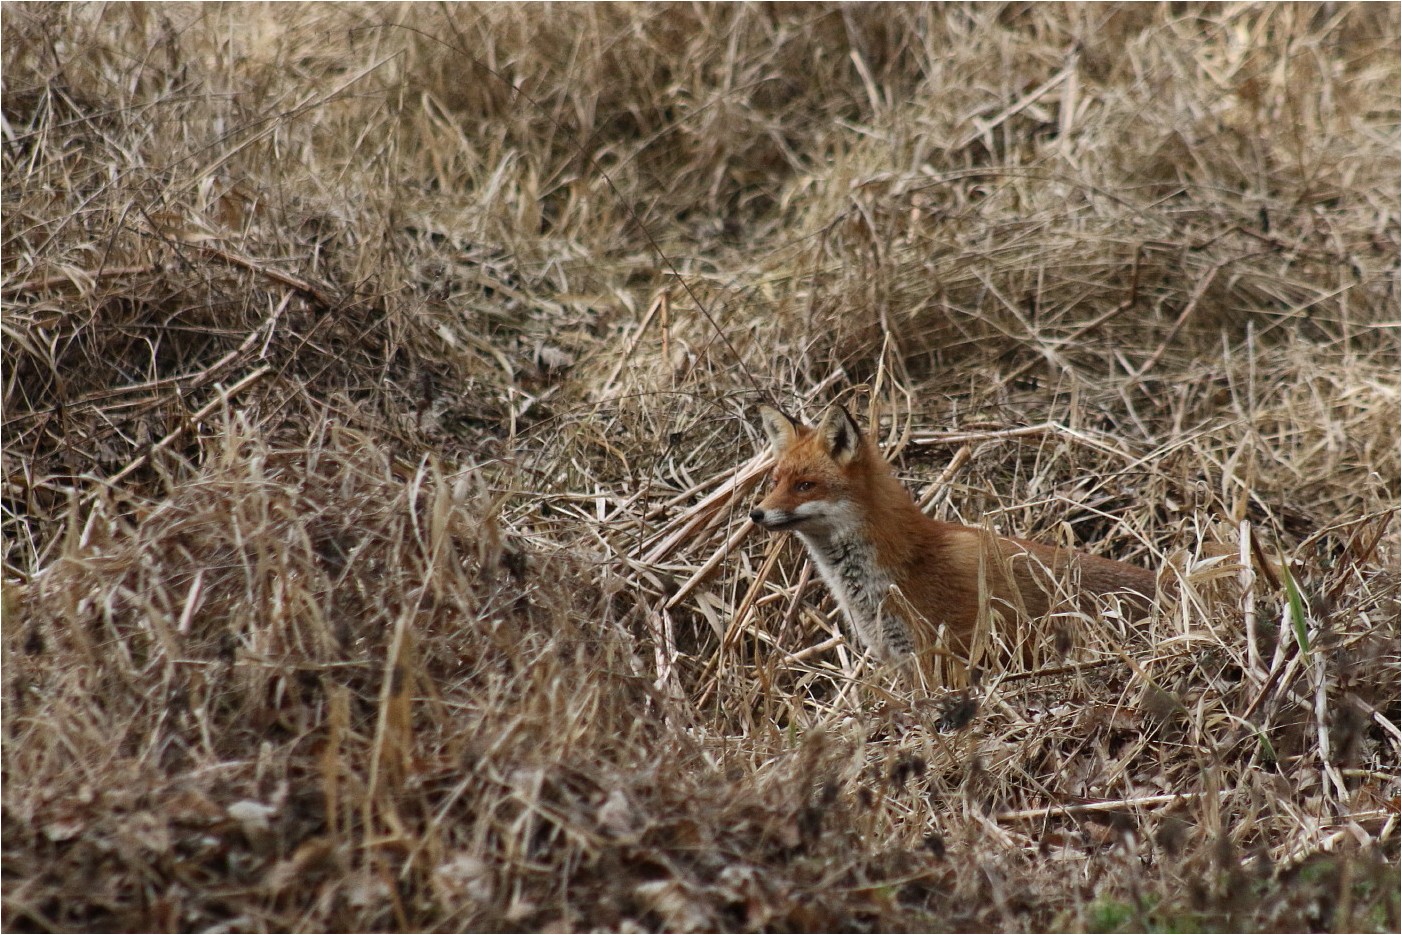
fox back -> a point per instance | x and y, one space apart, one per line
909 584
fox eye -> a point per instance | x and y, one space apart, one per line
803 486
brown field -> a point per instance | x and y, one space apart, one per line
378 443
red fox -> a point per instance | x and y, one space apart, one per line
901 576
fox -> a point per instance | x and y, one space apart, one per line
906 582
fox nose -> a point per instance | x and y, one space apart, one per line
757 516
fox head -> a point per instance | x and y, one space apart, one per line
813 476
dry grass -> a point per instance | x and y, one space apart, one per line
374 495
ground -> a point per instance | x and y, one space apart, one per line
379 439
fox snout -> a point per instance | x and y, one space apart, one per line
776 519
768 518
806 517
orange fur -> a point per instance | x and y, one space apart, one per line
899 575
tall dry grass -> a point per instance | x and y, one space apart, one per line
377 455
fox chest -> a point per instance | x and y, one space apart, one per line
850 568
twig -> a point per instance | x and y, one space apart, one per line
663 298
1022 431
1184 315
686 524
53 282
220 399
320 294
940 483
1012 110
716 558
815 649
1075 336
1248 601
1326 844
1089 807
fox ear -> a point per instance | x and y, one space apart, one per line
840 434
779 427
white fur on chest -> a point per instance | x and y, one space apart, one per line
848 564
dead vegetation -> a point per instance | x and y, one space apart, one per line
374 495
